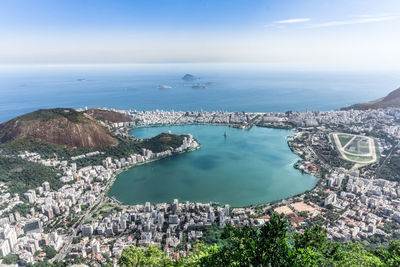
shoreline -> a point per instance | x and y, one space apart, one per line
293 129
115 175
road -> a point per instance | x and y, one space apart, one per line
78 225
68 240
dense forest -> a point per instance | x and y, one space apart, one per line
391 170
45 149
125 147
163 142
21 175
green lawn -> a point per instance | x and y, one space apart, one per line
344 139
364 147
360 143
359 158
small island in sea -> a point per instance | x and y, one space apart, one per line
189 77
200 85
164 86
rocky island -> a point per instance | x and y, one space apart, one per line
164 86
189 77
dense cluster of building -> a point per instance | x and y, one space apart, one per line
23 235
53 213
352 120
367 203
161 117
169 225
363 202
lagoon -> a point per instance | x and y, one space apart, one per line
247 167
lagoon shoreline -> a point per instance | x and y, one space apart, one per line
130 129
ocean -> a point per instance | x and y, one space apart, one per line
238 87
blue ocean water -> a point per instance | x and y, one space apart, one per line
238 87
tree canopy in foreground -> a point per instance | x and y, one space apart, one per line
272 244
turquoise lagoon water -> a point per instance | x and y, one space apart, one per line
247 167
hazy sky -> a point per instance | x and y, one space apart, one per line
334 32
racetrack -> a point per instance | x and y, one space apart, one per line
365 158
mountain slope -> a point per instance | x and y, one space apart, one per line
60 126
391 100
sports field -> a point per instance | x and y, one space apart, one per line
355 148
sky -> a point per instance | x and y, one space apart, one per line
335 32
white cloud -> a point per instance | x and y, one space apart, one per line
370 16
364 19
287 21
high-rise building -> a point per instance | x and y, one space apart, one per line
87 230
30 195
95 246
46 186
33 226
17 216
73 167
226 210
11 218
175 205
147 207
4 248
173 219
8 234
